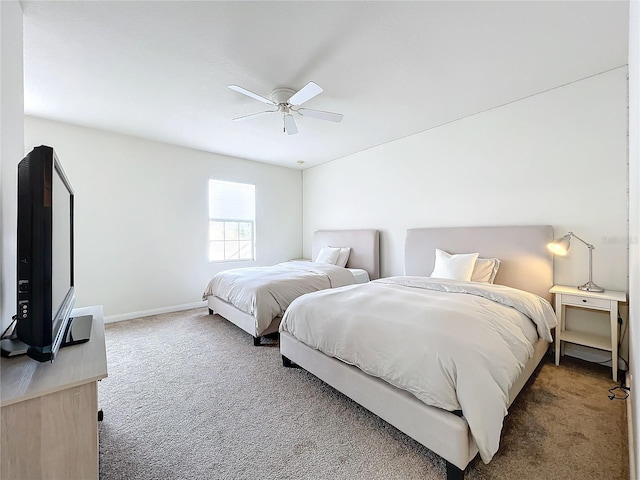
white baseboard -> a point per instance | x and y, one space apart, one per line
154 311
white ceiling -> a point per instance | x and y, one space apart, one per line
160 70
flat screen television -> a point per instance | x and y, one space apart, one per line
45 285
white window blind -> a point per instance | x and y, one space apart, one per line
233 201
231 221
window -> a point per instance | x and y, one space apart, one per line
231 221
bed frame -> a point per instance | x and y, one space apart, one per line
525 264
365 254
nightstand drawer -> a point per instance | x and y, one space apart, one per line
586 302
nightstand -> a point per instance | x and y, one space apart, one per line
606 301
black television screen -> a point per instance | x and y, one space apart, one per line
45 289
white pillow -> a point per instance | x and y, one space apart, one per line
454 267
485 270
343 258
328 255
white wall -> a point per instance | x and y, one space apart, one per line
141 224
11 148
634 231
557 158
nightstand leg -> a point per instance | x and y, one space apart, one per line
559 328
614 340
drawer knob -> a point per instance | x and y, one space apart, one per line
584 300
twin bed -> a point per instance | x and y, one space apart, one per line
440 359
255 298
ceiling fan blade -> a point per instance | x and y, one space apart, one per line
290 125
245 117
307 92
248 93
332 117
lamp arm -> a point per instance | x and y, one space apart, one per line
591 247
589 286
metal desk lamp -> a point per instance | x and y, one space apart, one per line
560 246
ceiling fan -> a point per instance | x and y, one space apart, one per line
286 101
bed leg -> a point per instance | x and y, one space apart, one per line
453 472
256 341
210 312
286 362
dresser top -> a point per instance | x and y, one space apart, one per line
22 378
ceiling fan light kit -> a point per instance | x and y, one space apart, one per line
286 101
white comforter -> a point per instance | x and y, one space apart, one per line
454 345
266 292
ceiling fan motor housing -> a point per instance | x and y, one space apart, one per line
281 95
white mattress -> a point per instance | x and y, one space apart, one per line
359 275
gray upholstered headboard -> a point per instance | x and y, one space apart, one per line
526 263
365 247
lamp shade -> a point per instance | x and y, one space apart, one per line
560 246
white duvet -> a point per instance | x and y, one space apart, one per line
266 292
454 345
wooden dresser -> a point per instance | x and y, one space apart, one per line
49 411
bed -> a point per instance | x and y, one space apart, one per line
456 434
255 298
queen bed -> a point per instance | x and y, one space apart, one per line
440 359
255 298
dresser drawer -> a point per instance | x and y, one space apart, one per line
586 302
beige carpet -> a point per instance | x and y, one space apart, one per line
189 397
